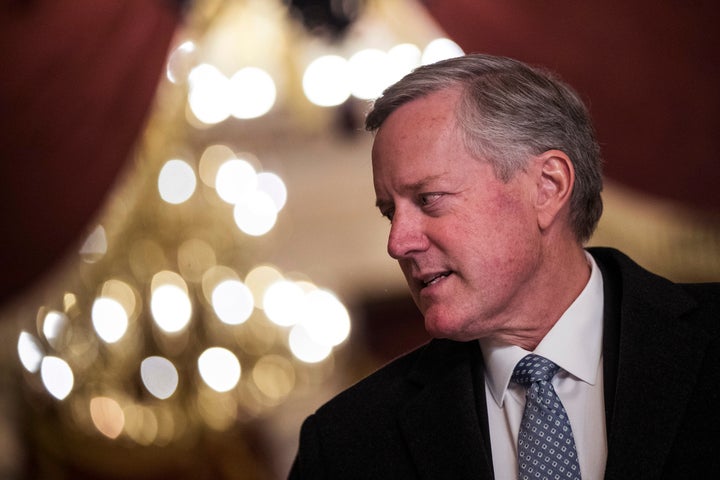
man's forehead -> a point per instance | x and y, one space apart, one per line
436 106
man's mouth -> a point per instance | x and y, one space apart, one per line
433 279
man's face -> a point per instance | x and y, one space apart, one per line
468 243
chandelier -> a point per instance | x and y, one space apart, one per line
169 321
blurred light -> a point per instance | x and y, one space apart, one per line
159 376
211 160
109 319
218 411
107 416
180 61
122 293
170 278
219 369
53 324
57 376
404 58
258 337
283 303
274 186
305 348
256 213
171 308
29 351
326 81
370 71
306 285
440 49
209 92
167 426
326 321
213 276
95 245
176 182
141 424
69 301
83 347
253 93
235 179
233 302
259 279
195 257
274 376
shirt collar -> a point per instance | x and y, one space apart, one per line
574 342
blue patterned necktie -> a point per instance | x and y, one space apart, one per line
546 447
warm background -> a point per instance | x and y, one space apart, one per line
86 114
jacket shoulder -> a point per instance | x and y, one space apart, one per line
356 434
391 383
639 289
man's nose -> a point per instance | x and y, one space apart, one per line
406 236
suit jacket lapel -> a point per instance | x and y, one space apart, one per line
446 436
651 356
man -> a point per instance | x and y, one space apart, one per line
489 172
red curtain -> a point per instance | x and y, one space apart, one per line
649 70
78 77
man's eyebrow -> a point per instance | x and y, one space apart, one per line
412 187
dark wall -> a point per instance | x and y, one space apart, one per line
650 71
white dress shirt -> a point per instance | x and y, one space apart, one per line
575 344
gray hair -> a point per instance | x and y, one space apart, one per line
509 111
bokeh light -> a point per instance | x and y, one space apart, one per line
326 319
95 245
326 81
255 214
233 302
180 62
404 58
54 324
209 92
194 258
122 293
440 49
159 376
219 369
274 376
370 73
259 279
171 308
57 376
141 424
253 93
305 348
235 180
211 160
283 302
109 319
274 186
107 416
30 351
176 181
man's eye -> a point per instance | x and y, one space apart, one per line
428 198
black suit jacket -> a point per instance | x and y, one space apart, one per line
424 415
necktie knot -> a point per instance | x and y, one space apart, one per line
534 368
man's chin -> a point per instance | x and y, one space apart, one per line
446 326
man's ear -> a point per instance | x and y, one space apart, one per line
556 177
